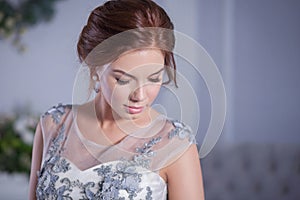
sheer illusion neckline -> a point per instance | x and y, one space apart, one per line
133 135
85 140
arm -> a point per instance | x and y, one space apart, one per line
185 177
37 152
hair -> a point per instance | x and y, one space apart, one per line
141 24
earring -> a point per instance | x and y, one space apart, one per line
97 84
97 87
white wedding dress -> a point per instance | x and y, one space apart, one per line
74 167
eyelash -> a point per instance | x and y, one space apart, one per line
155 80
123 82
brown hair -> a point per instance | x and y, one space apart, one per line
142 23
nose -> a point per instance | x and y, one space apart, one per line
138 94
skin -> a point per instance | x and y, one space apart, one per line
36 161
132 80
127 89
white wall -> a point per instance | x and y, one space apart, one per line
267 70
254 43
44 74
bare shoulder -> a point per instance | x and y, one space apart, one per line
186 171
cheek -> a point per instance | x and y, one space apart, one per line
120 94
111 93
106 88
116 94
152 92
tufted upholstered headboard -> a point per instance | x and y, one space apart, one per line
252 171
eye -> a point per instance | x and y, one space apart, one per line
155 80
122 82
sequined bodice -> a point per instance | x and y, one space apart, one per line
122 176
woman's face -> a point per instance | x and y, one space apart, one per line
132 82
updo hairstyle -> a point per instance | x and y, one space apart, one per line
119 26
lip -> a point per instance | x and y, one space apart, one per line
134 109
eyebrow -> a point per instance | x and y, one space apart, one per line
125 73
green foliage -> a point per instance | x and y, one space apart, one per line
16 18
15 153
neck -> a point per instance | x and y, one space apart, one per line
104 112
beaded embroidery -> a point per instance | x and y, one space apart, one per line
182 131
112 179
145 153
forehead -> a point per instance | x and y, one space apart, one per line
146 59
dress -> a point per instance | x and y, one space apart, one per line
74 167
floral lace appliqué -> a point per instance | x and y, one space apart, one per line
182 131
57 112
123 177
112 180
143 158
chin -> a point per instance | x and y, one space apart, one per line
125 114
137 116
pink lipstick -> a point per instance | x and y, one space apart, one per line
134 109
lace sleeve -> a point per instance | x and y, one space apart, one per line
51 122
176 139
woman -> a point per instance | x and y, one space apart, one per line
116 146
